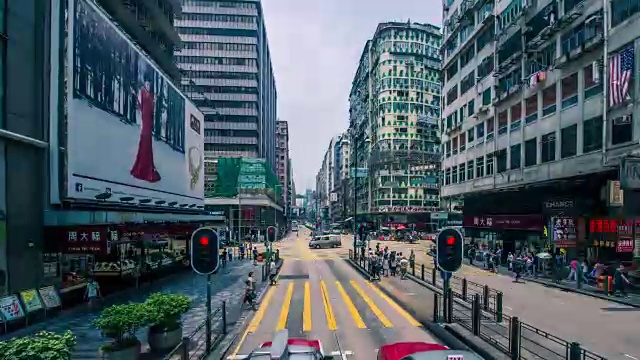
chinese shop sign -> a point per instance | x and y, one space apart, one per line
516 222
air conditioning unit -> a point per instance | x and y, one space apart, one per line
622 120
483 108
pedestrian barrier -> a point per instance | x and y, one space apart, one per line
479 310
199 343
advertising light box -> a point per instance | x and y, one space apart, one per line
132 136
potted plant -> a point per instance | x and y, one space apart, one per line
120 323
165 332
43 345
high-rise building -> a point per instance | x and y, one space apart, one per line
394 114
539 128
282 161
227 71
150 25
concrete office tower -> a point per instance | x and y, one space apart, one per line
283 162
332 180
394 114
150 25
538 116
227 72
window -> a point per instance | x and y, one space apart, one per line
462 142
480 167
501 161
466 56
489 165
487 35
470 170
470 136
621 10
581 34
592 134
447 176
549 100
516 161
622 130
548 147
503 122
447 148
486 67
468 82
452 70
470 108
452 94
592 80
461 172
542 60
486 97
454 146
516 115
530 152
490 128
454 175
531 109
480 131
569 90
569 141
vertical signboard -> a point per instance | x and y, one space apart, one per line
131 134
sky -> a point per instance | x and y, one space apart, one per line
315 49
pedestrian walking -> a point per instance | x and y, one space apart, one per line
92 293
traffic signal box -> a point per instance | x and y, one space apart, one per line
450 245
271 234
205 249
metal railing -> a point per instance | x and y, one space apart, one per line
198 344
472 307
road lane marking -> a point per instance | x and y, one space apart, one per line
286 305
394 305
257 318
306 315
376 310
351 307
328 310
631 357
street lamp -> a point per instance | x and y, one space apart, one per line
355 189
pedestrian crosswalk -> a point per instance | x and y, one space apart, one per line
305 306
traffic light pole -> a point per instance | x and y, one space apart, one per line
208 320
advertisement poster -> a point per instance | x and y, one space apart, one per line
31 300
50 297
10 308
132 136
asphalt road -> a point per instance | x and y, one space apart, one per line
319 296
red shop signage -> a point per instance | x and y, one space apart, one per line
515 222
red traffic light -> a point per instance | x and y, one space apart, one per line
451 240
204 241
270 230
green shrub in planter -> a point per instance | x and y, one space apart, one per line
41 346
120 323
166 309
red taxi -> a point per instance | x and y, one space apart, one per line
422 351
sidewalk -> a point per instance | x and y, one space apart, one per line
228 285
632 299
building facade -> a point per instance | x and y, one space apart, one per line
538 120
23 142
283 162
394 114
226 67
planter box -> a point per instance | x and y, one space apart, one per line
130 353
164 341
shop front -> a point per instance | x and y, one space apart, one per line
612 241
117 256
512 233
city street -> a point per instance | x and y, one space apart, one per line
568 315
227 285
320 296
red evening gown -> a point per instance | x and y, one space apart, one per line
144 167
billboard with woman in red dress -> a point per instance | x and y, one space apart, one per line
132 136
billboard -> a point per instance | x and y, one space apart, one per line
131 135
